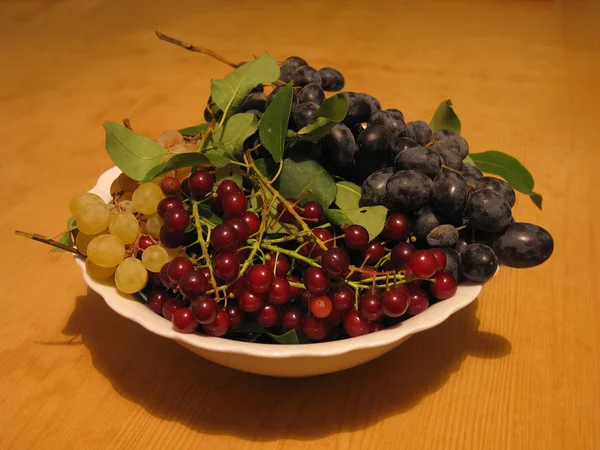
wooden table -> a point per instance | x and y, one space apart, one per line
517 369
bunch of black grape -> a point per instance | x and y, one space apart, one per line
411 170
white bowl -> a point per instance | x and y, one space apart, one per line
272 359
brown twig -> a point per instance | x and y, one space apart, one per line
127 124
194 48
47 241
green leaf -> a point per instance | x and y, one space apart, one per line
445 118
229 172
332 111
194 130
67 237
301 175
231 91
232 134
274 122
509 168
348 195
288 338
205 211
218 157
370 217
266 166
135 155
178 161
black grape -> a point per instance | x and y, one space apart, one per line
421 159
419 131
373 190
254 100
375 140
400 142
331 79
311 93
424 221
500 186
449 194
453 140
408 190
452 262
359 110
373 103
339 148
289 66
450 156
478 262
524 245
304 75
488 211
308 149
471 173
392 119
303 114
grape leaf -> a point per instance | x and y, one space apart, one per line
135 155
348 195
274 122
178 161
266 167
469 160
218 157
232 134
509 168
231 91
229 172
332 111
301 175
67 237
445 118
286 338
193 130
370 217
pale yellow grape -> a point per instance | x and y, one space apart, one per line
106 250
154 257
125 226
80 200
97 272
92 218
131 276
126 205
153 225
145 198
169 138
172 252
83 240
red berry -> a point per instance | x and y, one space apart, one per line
234 204
376 326
268 316
368 272
369 305
292 319
282 267
164 277
183 321
280 291
236 288
355 324
316 280
144 242
444 286
325 236
356 237
170 185
374 252
333 319
200 182
296 292
154 281
259 279
397 226
422 263
252 221
335 261
193 284
219 326
178 267
284 213
321 306
236 316
223 238
176 220
313 211
156 300
169 204
204 309
314 328
204 271
251 302
440 258
401 253
227 186
226 266
342 298
170 306
395 302
415 283
305 300
419 301
241 229
170 238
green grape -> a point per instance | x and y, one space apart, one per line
83 240
97 272
153 225
80 200
125 226
106 250
131 276
145 198
154 257
92 218
126 205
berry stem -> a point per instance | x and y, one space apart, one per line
290 253
47 241
203 246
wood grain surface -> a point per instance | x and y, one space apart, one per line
518 369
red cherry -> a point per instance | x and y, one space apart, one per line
356 237
252 221
321 306
178 267
440 258
369 305
234 204
204 309
183 321
259 279
342 298
374 252
314 328
401 253
170 185
422 263
251 302
280 291
236 316
170 306
156 300
227 186
219 326
313 211
419 301
395 301
397 226
355 324
200 182
292 319
268 316
444 286
283 264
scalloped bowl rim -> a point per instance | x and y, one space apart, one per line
131 308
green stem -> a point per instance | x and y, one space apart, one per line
290 253
203 246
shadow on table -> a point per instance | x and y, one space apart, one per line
174 384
